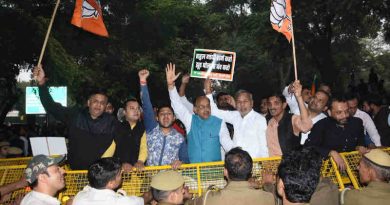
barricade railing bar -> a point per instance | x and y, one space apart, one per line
198 177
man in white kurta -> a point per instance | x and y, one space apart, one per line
249 125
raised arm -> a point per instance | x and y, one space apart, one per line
182 93
181 112
149 118
60 112
224 137
185 79
303 123
228 116
291 100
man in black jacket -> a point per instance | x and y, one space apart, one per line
92 132
132 147
337 133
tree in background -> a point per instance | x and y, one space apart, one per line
152 33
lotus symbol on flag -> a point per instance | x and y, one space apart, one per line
89 11
278 12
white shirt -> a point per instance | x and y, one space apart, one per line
187 104
291 102
369 127
184 115
38 198
92 196
314 120
249 131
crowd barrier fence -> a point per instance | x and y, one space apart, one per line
198 177
352 159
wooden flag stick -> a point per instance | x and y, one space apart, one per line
48 32
293 47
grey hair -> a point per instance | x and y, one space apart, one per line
239 92
382 173
160 195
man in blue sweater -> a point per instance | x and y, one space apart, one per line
205 132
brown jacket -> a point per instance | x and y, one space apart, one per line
376 193
235 192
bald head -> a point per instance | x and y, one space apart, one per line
202 107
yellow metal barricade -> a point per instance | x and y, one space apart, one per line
329 169
11 174
14 161
352 159
198 177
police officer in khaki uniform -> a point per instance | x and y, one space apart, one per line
238 168
374 170
168 188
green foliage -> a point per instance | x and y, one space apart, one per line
153 33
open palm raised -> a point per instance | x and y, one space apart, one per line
170 74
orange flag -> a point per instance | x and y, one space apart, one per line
88 16
280 17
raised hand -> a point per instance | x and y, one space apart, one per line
207 86
170 72
39 74
143 75
185 79
231 101
297 88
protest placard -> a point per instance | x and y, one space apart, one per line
215 64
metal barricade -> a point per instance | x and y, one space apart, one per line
198 177
352 159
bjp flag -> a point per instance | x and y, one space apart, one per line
88 16
280 17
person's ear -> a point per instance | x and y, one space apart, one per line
111 184
42 178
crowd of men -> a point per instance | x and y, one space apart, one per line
300 126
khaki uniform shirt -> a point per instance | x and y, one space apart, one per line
235 192
376 193
326 193
165 203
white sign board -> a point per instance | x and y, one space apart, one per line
48 145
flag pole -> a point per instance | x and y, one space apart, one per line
48 32
293 47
